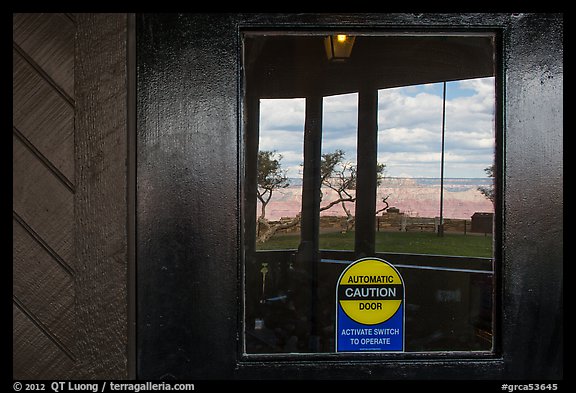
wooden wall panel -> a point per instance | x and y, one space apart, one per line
49 41
44 319
42 201
44 285
34 354
101 195
42 116
70 316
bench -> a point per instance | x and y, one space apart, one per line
422 223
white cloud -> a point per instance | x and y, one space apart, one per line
340 124
282 113
282 130
281 140
345 142
410 124
408 139
397 109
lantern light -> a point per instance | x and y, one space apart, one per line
338 47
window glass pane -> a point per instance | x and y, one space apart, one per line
469 161
408 123
338 171
279 173
410 142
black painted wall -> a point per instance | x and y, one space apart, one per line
187 185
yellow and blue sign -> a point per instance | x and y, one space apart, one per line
370 307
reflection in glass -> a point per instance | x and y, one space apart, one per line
469 151
359 142
410 125
338 171
279 175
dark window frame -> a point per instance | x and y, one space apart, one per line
189 311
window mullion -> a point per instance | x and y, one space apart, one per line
366 181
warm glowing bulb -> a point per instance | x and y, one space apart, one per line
341 37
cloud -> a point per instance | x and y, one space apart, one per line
286 114
398 109
340 113
404 139
282 130
409 128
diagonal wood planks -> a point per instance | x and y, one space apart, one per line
70 216
44 322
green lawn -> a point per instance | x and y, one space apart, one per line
476 245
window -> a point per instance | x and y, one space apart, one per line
385 149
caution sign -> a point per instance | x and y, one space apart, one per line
370 307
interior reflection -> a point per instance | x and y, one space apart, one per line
384 148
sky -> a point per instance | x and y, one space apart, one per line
409 129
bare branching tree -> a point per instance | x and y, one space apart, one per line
271 177
337 174
384 199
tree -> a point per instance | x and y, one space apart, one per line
384 199
336 174
488 191
339 175
271 177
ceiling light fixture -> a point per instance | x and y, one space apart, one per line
338 47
